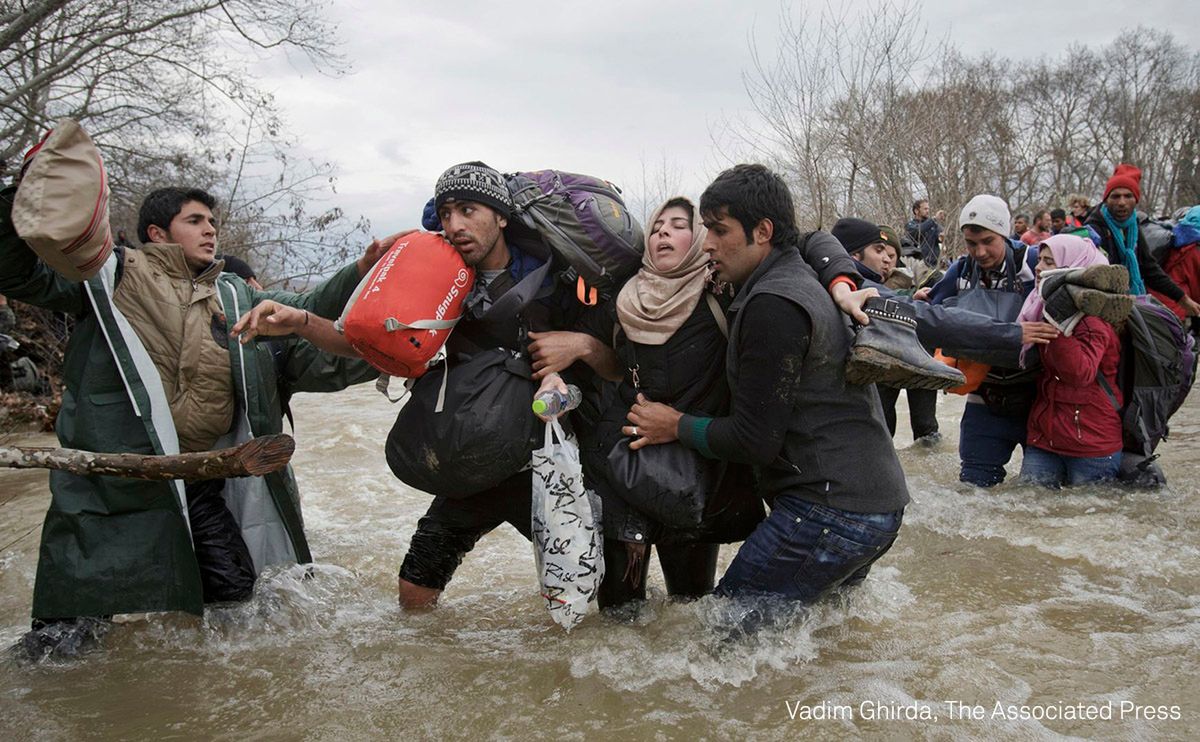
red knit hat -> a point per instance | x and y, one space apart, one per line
1125 176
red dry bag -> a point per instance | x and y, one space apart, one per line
404 309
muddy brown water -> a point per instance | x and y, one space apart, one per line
1025 608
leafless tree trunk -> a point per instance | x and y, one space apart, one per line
253 458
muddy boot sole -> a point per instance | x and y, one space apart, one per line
869 366
1112 308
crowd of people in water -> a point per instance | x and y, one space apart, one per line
722 357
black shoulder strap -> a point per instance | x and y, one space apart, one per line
1112 397
527 290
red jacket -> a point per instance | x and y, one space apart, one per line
1183 266
1073 416
1034 237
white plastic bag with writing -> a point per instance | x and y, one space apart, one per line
567 538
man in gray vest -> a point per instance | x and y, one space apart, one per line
824 457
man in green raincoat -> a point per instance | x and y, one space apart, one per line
149 369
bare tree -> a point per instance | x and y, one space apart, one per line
134 69
167 90
825 105
861 120
659 181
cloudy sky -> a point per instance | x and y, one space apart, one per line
610 89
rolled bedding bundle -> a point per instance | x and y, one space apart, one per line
61 206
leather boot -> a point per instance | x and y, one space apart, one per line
887 351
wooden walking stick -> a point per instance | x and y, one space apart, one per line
251 459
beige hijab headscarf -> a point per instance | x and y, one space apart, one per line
654 304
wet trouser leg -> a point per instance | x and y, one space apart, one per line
690 569
922 412
450 528
887 398
624 579
1053 470
986 443
803 550
226 569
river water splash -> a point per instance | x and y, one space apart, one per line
1030 599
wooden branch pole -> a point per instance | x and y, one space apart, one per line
251 459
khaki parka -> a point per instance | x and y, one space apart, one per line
112 545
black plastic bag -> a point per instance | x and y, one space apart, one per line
668 482
484 434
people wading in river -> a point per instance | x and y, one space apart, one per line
1074 429
149 369
667 327
792 413
473 204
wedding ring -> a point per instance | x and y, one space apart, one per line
635 435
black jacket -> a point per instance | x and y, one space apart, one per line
830 428
687 373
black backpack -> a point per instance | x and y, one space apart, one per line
1158 366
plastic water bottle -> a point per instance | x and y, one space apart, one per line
552 403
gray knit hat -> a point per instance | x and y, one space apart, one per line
474 181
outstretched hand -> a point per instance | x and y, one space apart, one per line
269 318
651 423
1038 333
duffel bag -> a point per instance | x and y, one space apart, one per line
405 307
484 434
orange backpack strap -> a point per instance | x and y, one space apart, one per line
587 296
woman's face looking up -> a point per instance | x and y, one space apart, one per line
670 238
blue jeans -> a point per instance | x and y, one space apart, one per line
802 551
986 443
1053 470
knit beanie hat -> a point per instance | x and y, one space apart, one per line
474 181
236 265
855 234
891 237
1125 176
986 212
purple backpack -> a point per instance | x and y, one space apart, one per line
583 221
1158 366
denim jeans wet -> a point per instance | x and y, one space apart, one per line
986 442
1052 470
802 551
